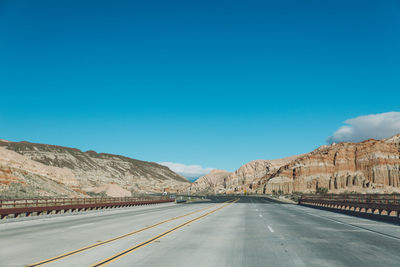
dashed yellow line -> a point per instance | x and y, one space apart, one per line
62 256
131 249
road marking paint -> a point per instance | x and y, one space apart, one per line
79 226
376 225
319 216
59 257
270 229
131 249
356 226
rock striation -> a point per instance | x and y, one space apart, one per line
29 169
246 178
23 177
371 166
212 183
241 180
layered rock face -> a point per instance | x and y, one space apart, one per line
214 182
245 179
372 166
22 177
28 165
242 180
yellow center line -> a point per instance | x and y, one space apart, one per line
62 256
131 249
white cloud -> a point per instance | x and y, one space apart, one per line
377 126
188 171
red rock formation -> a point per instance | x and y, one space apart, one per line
242 180
245 179
6 176
369 166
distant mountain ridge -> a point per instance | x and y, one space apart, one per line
221 181
371 166
83 172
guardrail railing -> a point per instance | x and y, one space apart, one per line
387 204
27 206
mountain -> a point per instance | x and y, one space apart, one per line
243 179
221 181
211 183
371 166
29 169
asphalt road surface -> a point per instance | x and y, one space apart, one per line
245 231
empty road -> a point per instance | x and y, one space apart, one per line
242 231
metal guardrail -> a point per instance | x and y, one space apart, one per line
388 204
356 198
28 206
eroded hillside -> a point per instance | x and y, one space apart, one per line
371 166
79 173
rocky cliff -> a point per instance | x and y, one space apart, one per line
245 179
29 169
241 180
371 166
214 182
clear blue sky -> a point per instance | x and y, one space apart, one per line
213 83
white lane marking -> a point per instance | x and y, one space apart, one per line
376 225
322 217
270 229
81 225
260 215
354 225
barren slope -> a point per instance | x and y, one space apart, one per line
109 174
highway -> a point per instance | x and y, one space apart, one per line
230 231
